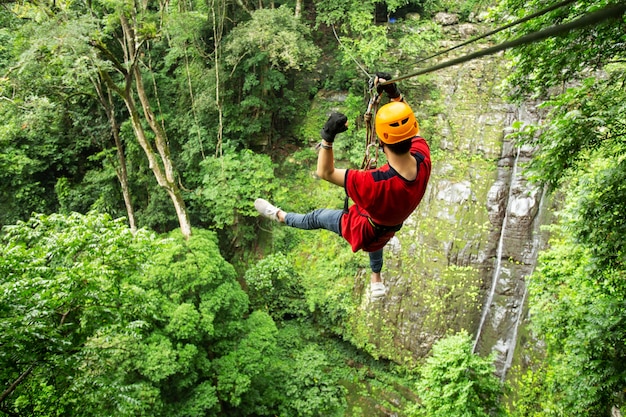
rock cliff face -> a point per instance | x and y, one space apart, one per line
462 260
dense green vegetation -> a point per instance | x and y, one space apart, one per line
577 295
136 278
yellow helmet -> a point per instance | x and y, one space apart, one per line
395 122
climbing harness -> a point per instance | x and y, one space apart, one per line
380 229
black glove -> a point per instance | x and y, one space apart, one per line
336 124
391 89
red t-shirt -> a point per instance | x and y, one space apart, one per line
385 197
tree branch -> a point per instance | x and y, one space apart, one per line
16 383
109 55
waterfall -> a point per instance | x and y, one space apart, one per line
496 274
520 314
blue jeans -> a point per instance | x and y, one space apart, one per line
329 220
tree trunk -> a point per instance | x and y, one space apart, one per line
169 181
161 175
122 176
161 166
120 171
218 12
298 10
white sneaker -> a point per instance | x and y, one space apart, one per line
377 291
266 209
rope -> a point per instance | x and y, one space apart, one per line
493 32
370 160
614 11
350 55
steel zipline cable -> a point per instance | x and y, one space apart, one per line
500 29
470 41
612 11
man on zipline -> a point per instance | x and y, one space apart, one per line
384 197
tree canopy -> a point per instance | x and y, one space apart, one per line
127 123
577 293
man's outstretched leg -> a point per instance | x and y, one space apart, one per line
317 219
329 220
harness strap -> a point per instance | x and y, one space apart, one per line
381 229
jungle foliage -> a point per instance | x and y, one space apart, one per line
137 280
577 295
100 321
